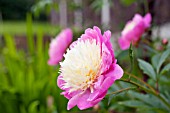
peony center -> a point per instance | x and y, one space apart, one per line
81 67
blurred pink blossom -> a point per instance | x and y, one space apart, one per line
59 45
89 69
134 30
165 41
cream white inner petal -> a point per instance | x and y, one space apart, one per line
81 66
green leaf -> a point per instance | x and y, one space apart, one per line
141 97
141 106
30 38
155 60
162 59
10 44
165 69
149 49
147 69
97 5
147 99
133 103
111 97
152 110
115 93
33 107
113 88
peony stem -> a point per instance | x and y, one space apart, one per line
157 86
147 90
141 81
119 91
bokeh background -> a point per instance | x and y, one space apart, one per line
27 82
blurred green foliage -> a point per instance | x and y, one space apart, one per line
42 6
20 28
27 83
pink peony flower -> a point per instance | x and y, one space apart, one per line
88 70
59 45
134 30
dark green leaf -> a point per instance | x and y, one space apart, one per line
33 107
162 59
147 69
147 99
165 69
155 60
133 103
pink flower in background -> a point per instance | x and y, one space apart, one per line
89 69
59 45
134 30
165 41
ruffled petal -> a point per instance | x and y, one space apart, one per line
99 82
123 43
115 72
107 36
60 82
84 104
59 45
91 34
147 20
73 101
137 18
106 59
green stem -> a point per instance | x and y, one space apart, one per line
119 91
141 81
148 91
157 86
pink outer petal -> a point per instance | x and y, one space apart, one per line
136 32
90 34
59 45
84 103
81 100
60 82
99 82
139 29
106 59
123 43
107 36
69 95
73 101
55 60
147 20
115 72
137 18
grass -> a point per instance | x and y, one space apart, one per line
20 28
